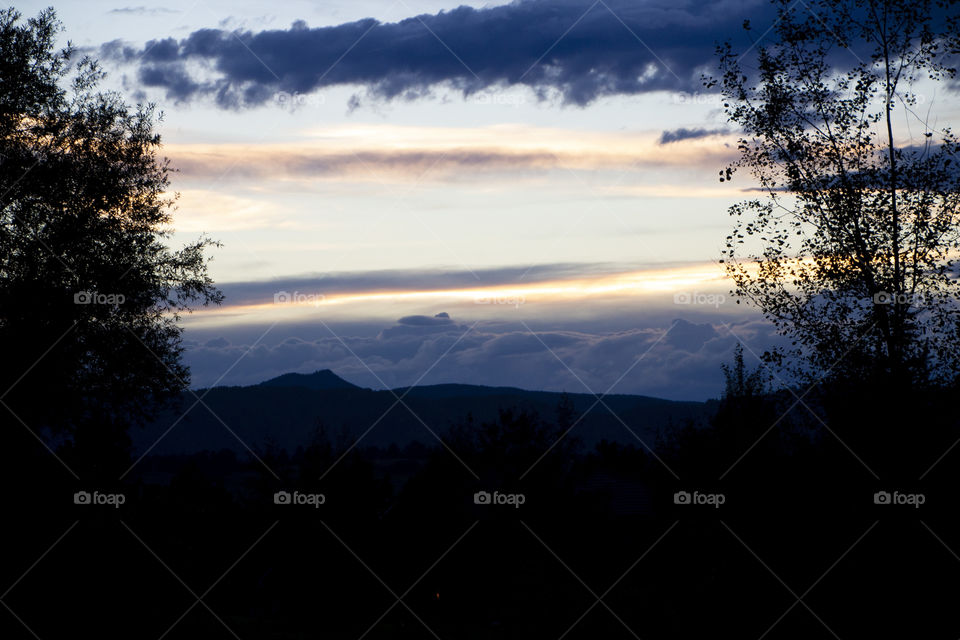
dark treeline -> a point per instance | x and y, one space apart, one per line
799 495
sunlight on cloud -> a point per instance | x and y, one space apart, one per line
670 191
205 210
202 210
296 305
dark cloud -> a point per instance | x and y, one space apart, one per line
421 326
441 319
579 49
679 360
676 135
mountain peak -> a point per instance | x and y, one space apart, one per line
320 379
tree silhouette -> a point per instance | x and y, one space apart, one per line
851 249
90 292
741 382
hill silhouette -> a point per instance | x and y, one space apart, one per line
321 379
284 411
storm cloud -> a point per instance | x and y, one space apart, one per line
576 50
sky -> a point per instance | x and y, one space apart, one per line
423 191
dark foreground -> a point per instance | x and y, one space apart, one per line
836 518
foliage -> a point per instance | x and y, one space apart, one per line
851 248
90 291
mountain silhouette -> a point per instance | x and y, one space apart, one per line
322 379
284 412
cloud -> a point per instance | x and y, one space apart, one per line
421 326
575 49
447 154
690 337
435 165
142 11
206 209
678 360
676 135
366 164
404 280
439 320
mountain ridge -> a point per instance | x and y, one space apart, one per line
327 379
319 379
285 411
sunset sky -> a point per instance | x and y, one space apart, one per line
521 194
